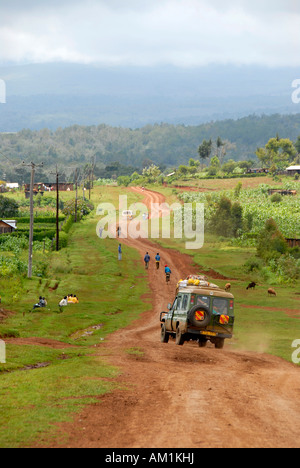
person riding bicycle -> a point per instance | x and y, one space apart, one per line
168 273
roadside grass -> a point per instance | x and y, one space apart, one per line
31 402
33 399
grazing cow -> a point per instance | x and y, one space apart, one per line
271 292
251 285
227 287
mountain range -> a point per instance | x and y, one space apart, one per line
57 95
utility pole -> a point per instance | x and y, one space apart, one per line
57 212
76 197
33 167
90 183
57 209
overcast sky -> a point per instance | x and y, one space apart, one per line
151 32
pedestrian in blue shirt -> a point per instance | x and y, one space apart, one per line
157 260
147 260
120 252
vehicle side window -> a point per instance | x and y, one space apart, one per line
179 299
185 301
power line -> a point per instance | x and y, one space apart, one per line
57 208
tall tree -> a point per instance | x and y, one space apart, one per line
277 153
205 150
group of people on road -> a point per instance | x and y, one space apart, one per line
157 264
147 262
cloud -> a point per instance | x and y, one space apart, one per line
138 32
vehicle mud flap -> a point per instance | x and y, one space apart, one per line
199 316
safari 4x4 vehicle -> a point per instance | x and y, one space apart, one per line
201 311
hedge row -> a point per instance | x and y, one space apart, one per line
37 235
40 219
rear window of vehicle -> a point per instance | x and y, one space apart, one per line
200 300
222 306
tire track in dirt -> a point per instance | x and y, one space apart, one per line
186 397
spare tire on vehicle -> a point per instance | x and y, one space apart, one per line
199 316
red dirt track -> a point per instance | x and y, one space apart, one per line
185 396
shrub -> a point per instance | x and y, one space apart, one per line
227 220
83 207
63 240
276 198
253 264
295 252
271 242
8 208
67 226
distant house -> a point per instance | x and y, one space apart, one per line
7 226
48 187
37 189
257 170
292 170
293 242
11 185
282 192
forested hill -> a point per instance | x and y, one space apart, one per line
164 144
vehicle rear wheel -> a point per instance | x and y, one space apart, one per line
179 337
202 343
219 343
164 336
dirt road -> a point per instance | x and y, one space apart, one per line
187 397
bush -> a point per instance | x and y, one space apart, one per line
8 208
276 198
67 226
123 181
253 264
295 252
271 243
63 240
83 207
227 220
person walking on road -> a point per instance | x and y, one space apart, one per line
157 260
147 260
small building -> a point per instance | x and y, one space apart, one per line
12 185
62 187
293 170
293 242
257 170
282 192
41 187
7 226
